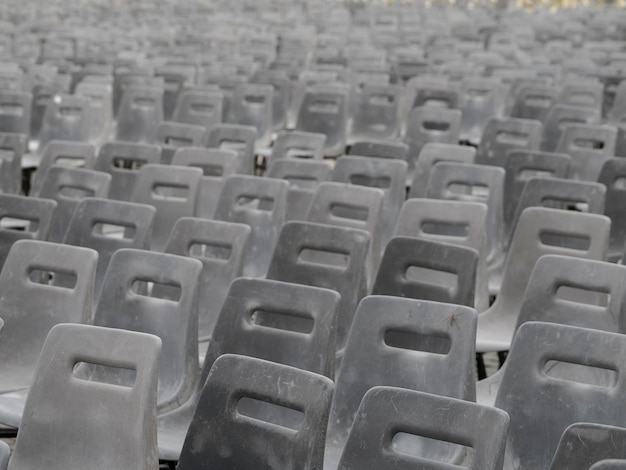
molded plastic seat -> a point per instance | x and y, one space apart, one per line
380 149
561 115
398 342
504 134
532 388
239 138
220 246
28 290
297 144
427 270
140 113
589 147
613 170
216 166
324 256
199 107
172 191
251 105
65 119
107 226
168 310
67 186
584 444
377 113
216 435
457 223
65 407
386 413
63 153
540 231
15 109
12 148
173 135
122 160
432 154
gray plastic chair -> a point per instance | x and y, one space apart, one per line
413 344
432 154
168 309
584 444
282 93
543 403
100 111
251 105
427 270
15 109
589 147
533 101
63 153
122 160
377 113
107 226
172 191
239 138
216 166
324 110
260 203
303 176
383 173
65 119
504 134
457 223
582 93
380 149
539 232
62 406
297 144
216 436
479 101
140 113
324 256
520 166
612 176
388 414
173 135
220 246
67 186
561 115
12 148
29 290
199 107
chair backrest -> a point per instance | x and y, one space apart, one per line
63 153
533 101
251 105
173 135
504 134
199 107
377 112
281 409
65 119
107 226
172 191
67 186
380 149
15 109
613 176
43 284
167 309
589 146
542 403
140 113
413 344
282 93
582 93
324 256
100 110
298 145
520 166
432 154
12 148
291 324
122 437
479 101
260 203
561 115
584 444
239 138
389 415
221 247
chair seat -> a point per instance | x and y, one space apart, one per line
12 407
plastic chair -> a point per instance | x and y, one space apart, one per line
380 149
458 223
172 191
303 177
561 115
298 145
504 134
324 256
387 415
377 113
12 148
140 113
220 246
199 107
386 174
427 270
251 105
67 186
173 135
533 101
282 92
35 279
239 138
237 401
413 344
216 166
589 147
15 109
168 309
175 77
260 203
584 444
479 101
532 387
540 231
582 93
100 111
63 153
612 174
324 110
432 154
65 119
63 406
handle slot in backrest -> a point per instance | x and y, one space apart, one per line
538 101
262 409
288 321
177 141
254 99
381 100
524 174
438 126
69 160
75 192
48 276
583 295
301 181
475 190
565 240
144 102
126 163
383 182
588 143
12 109
209 169
345 211
437 102
19 223
570 203
619 183
248 202
7 153
411 445
229 144
113 230
433 344
105 373
581 98
71 111
202 108
445 228
211 251
299 152
512 137
324 106
324 257
157 290
599 374
566 121
434 277
170 191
